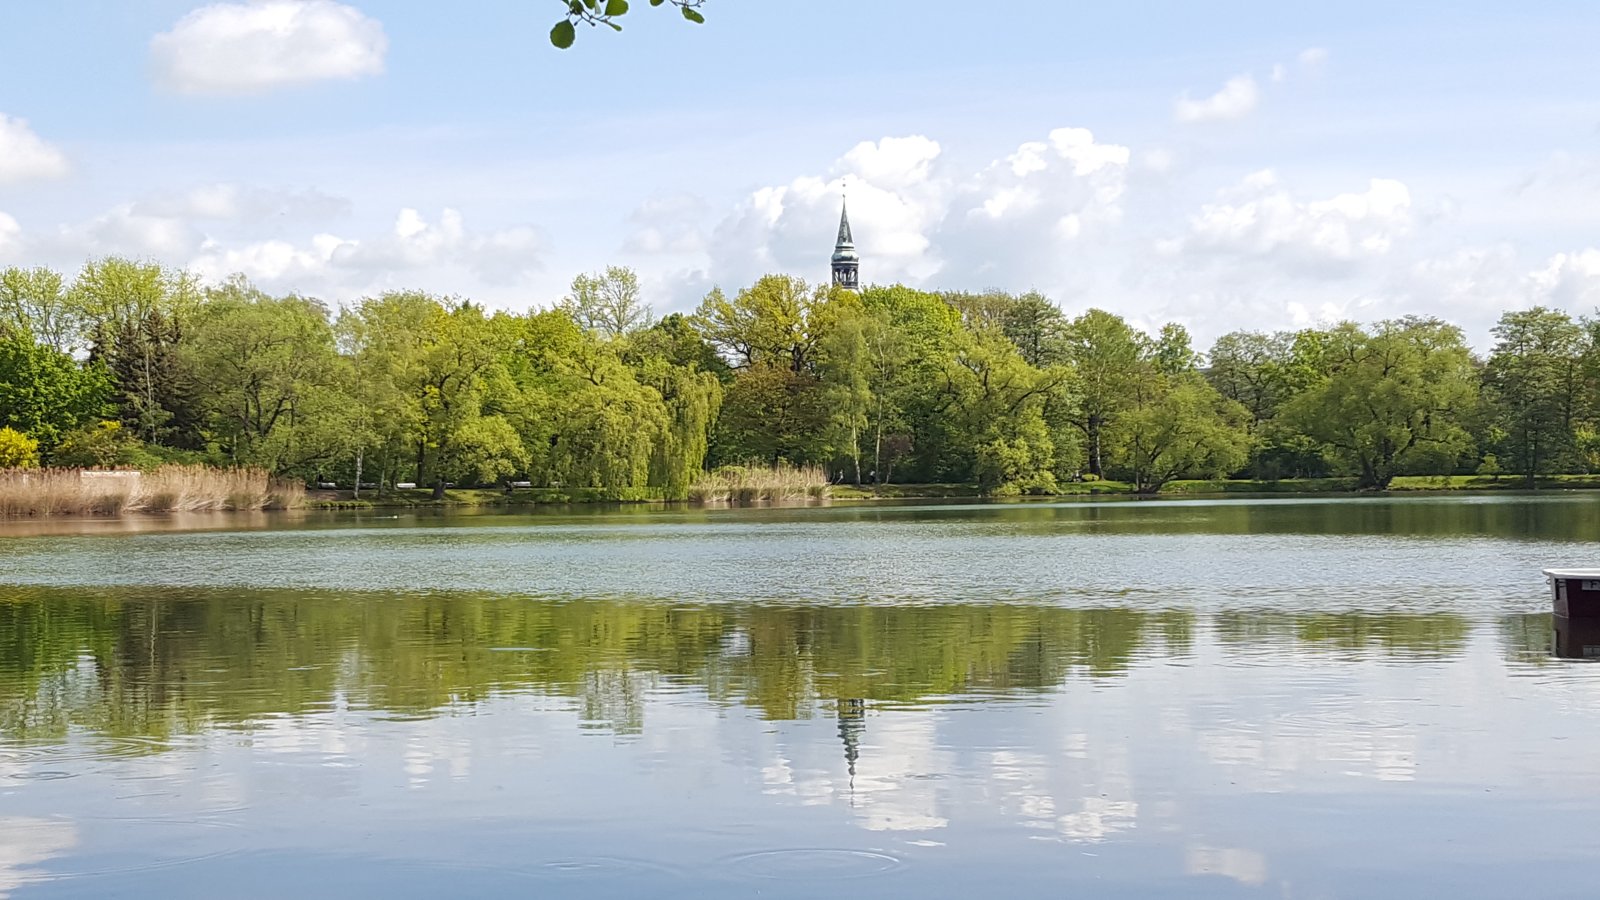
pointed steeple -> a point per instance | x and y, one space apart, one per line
846 262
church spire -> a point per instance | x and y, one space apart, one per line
846 262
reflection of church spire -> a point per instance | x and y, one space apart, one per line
852 723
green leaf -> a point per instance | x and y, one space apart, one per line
657 2
694 16
563 34
616 7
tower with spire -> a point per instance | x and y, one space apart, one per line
846 262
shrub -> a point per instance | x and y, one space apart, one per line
17 450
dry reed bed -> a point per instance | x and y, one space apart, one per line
754 484
174 488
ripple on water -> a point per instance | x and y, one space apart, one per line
600 866
812 863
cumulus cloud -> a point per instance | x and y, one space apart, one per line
1260 217
24 156
667 225
414 244
1018 218
1238 98
243 48
1570 280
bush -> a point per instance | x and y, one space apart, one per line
102 445
17 450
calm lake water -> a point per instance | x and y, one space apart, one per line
1277 698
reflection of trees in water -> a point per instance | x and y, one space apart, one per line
121 663
1529 638
1421 635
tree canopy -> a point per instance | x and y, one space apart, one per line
130 363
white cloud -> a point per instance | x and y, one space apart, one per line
1313 57
1237 99
24 156
10 231
242 48
1569 280
1260 217
123 230
233 202
918 219
414 245
667 225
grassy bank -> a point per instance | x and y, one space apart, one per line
173 488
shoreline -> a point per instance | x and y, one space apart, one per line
1309 487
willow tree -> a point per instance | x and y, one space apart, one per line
1391 401
583 413
1177 425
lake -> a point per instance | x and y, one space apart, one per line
1307 698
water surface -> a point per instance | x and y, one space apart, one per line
1276 698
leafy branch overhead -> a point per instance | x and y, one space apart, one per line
608 12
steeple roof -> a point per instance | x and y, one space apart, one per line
844 250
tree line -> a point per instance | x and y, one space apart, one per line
134 364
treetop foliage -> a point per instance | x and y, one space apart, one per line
131 363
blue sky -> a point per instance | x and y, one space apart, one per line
1226 165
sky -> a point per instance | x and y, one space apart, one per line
1228 165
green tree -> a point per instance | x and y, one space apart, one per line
607 303
1394 400
35 302
1176 426
778 321
1037 328
1105 353
264 368
45 392
1532 388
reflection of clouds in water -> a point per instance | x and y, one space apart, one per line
25 842
1097 818
1243 866
894 788
1090 807
429 747
1272 757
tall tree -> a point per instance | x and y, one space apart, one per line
1532 388
35 302
608 302
1105 353
261 366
